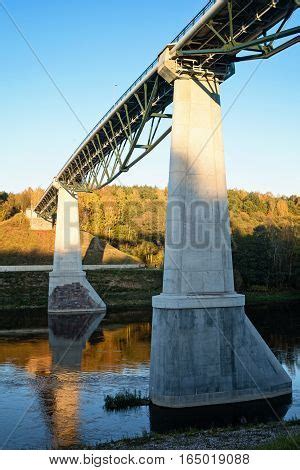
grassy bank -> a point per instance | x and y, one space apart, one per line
253 298
282 443
276 436
24 246
120 289
24 296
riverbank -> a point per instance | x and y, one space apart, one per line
283 435
123 289
120 288
24 295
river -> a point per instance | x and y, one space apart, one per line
50 398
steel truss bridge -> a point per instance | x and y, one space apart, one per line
222 33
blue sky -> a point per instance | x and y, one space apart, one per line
89 47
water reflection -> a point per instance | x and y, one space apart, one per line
279 325
65 380
59 395
68 334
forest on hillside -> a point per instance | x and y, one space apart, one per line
265 229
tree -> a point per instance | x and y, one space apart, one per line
3 196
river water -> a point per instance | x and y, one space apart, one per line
52 391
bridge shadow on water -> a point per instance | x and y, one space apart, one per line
164 420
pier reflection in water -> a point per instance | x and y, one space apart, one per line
68 335
52 391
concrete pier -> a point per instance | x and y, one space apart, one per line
69 290
204 349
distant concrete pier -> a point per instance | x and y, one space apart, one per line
204 349
69 290
36 222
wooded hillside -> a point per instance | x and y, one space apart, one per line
265 229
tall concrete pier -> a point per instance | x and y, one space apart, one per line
69 290
204 349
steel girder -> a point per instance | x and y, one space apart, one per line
232 36
135 130
112 151
244 27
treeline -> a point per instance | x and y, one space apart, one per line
265 229
11 204
265 240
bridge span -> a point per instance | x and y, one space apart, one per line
204 349
212 42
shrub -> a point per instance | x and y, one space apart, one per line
123 401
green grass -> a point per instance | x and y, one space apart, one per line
282 443
259 297
124 401
128 288
124 290
25 295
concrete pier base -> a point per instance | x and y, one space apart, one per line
211 356
69 290
204 349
